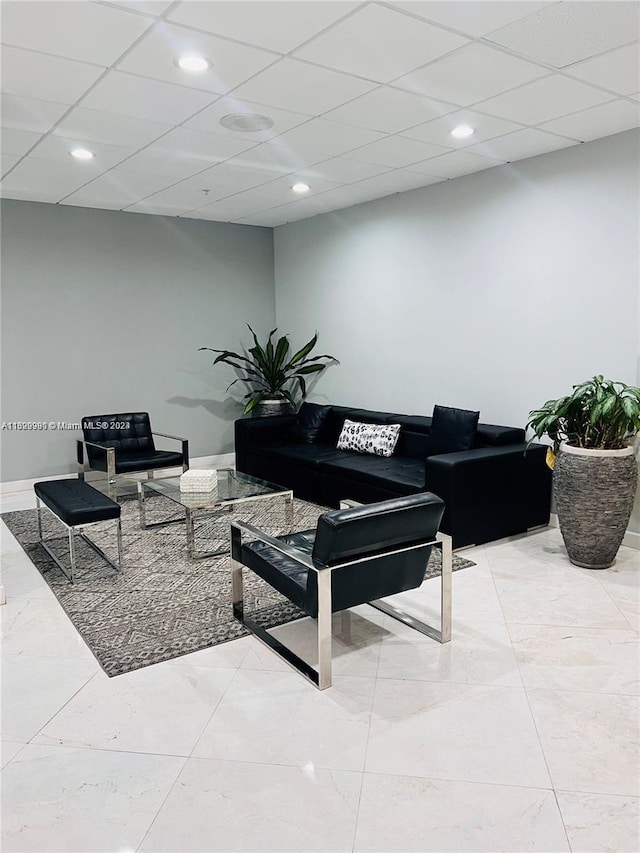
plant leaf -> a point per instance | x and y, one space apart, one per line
306 349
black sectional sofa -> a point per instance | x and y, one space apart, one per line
491 491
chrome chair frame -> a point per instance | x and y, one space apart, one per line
112 490
321 676
71 530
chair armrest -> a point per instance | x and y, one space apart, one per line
110 453
166 435
185 444
102 447
288 550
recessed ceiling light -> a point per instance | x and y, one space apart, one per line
301 188
246 122
462 131
193 64
82 154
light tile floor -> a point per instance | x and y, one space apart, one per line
520 735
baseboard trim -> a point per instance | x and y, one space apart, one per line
14 487
631 538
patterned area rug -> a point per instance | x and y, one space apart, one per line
162 605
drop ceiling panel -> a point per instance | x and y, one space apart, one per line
48 78
220 211
270 195
473 17
17 141
395 152
327 202
618 70
48 194
341 170
90 32
153 161
279 26
145 7
397 181
568 32
294 85
544 100
156 209
35 174
328 137
231 64
58 148
267 219
117 189
138 97
30 114
523 143
596 122
454 164
95 126
207 146
277 158
471 74
353 44
208 121
219 182
8 161
439 130
390 110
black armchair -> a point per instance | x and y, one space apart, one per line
357 554
123 444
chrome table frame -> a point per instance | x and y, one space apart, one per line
321 676
216 510
71 529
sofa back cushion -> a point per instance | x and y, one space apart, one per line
452 430
311 417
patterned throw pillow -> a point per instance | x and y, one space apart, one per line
379 439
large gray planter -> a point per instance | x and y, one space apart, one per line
594 493
271 406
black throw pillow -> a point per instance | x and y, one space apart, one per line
311 416
451 430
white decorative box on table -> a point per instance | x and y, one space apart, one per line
198 480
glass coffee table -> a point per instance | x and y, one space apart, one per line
232 488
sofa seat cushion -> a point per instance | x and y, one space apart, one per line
399 473
310 455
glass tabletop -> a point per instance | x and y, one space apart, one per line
231 486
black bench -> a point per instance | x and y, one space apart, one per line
76 504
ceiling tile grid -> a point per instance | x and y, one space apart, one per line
361 98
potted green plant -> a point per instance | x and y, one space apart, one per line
595 474
271 374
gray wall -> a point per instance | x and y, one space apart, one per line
104 311
495 292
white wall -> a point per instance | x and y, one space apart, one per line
495 291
